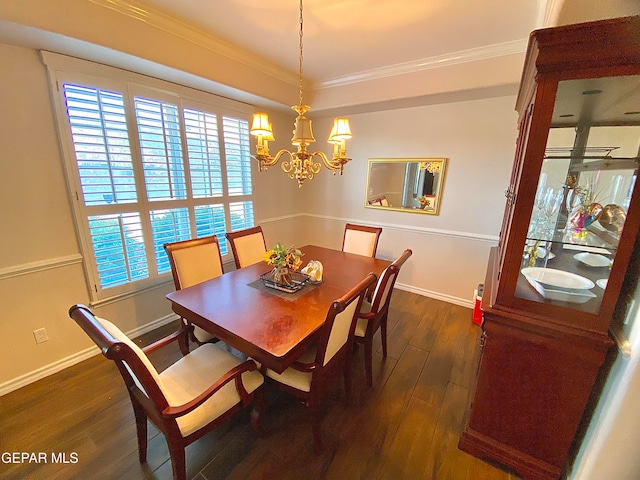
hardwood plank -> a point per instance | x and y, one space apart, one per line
431 318
444 460
434 380
359 456
405 456
463 371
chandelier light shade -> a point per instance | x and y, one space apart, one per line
301 165
260 125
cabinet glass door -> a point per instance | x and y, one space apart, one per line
583 193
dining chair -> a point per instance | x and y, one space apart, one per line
373 315
248 246
308 377
187 400
194 261
361 239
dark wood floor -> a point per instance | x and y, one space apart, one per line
405 427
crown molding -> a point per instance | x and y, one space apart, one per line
185 31
448 59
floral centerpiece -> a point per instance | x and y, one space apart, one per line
284 259
582 207
424 202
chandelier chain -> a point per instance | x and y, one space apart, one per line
301 34
301 165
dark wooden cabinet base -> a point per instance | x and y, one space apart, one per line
530 396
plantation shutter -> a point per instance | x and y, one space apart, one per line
98 125
160 145
147 164
238 155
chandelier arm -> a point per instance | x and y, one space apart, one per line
335 164
276 159
266 161
287 165
313 168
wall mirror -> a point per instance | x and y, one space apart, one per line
405 184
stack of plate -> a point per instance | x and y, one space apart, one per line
559 285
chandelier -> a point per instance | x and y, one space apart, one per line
301 165
431 167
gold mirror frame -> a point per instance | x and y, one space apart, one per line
412 185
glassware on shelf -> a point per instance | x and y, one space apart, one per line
551 206
538 221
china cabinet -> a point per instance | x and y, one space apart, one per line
570 223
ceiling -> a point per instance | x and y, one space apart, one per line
358 54
343 38
348 44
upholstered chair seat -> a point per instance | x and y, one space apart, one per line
361 323
295 378
193 374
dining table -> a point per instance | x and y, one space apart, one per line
271 326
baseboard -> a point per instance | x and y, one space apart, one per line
463 302
42 372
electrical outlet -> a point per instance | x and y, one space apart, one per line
40 335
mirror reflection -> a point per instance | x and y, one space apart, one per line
405 184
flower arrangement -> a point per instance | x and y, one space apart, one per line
283 256
582 207
424 202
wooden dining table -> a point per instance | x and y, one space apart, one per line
271 326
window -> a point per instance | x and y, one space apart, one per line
149 166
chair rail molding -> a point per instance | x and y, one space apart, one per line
39 266
491 239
